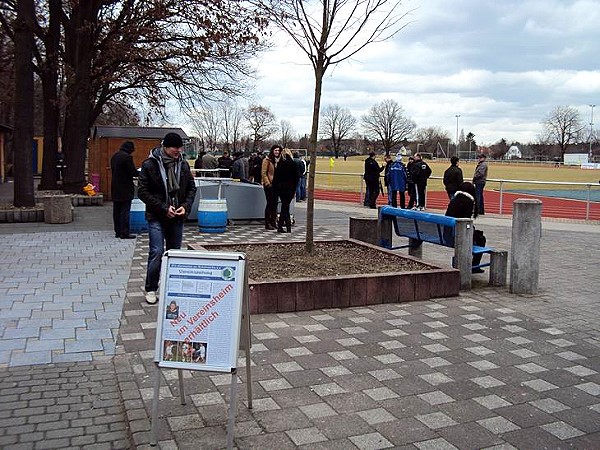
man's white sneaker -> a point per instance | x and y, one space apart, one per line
151 297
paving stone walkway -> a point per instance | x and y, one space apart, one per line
483 370
486 369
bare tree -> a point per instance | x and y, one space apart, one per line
432 138
232 125
150 51
286 130
387 123
261 122
499 149
562 126
336 124
329 32
208 124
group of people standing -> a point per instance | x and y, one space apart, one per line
413 177
399 179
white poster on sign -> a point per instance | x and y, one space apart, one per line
200 310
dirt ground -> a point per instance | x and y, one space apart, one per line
275 261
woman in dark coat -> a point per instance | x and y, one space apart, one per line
463 204
285 181
267 174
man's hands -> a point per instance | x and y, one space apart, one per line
172 212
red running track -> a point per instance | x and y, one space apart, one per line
551 206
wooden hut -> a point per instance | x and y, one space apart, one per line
106 140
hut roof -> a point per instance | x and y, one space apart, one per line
100 131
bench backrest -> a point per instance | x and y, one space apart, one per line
422 226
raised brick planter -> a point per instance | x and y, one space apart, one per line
86 200
307 294
21 215
76 199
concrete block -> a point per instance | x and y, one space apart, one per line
498 267
364 229
58 209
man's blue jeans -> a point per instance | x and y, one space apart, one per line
159 233
301 189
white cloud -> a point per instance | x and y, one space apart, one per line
501 65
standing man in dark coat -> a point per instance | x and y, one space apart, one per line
479 180
453 177
122 189
167 187
371 177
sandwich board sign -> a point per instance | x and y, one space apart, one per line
200 310
203 310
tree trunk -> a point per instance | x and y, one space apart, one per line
23 136
312 150
49 77
79 33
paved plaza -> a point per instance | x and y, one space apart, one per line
486 369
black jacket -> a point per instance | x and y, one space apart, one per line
453 178
372 170
420 172
152 188
286 176
123 172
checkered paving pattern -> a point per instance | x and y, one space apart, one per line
463 372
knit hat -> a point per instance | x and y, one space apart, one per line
172 140
127 146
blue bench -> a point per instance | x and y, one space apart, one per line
437 229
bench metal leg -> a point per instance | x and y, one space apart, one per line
415 248
498 267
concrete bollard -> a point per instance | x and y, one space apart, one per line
58 209
463 251
498 267
525 247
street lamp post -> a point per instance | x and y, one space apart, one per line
591 131
457 142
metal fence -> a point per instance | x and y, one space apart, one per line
327 180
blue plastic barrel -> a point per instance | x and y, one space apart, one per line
137 217
212 215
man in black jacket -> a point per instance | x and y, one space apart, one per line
453 177
167 187
371 177
122 189
420 173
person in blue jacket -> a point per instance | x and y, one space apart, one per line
397 182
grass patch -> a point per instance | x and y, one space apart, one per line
497 170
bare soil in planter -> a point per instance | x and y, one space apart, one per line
274 261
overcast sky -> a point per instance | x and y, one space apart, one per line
503 65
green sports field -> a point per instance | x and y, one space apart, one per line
334 179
